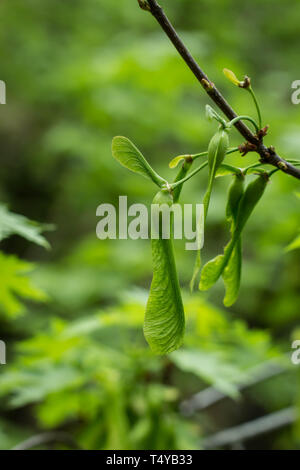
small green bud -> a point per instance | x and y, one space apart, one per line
144 5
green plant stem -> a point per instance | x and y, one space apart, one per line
250 89
203 154
233 150
244 118
272 172
190 175
197 155
181 175
255 165
199 168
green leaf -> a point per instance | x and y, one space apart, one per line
197 265
15 224
214 268
129 156
232 275
217 149
164 319
15 283
185 167
196 269
35 385
188 158
232 272
212 114
175 162
211 367
294 245
235 194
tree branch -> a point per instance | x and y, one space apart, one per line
267 155
252 429
47 438
210 396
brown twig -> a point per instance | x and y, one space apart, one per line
267 155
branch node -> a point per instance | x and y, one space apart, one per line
262 133
272 150
282 165
144 5
246 83
247 147
208 86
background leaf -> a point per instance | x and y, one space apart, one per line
15 283
15 224
212 368
294 245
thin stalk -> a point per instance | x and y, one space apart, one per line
203 154
190 175
250 89
244 118
197 155
181 175
294 162
272 172
233 150
255 165
199 168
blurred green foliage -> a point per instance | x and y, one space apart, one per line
78 73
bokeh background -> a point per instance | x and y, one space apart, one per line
78 73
